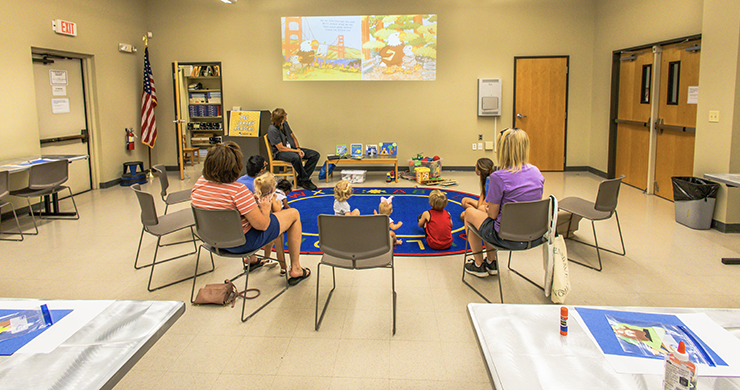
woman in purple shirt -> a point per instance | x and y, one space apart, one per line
516 182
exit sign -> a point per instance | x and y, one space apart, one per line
64 27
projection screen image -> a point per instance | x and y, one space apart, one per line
375 47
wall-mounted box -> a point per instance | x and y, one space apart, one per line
489 97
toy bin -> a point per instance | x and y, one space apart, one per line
422 174
354 177
435 167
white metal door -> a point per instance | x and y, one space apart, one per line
60 102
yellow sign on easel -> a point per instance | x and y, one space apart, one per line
244 124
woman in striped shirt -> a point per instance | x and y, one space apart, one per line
218 189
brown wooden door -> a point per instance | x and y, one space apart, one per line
540 104
633 128
674 152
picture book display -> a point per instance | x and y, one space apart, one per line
388 149
341 150
356 149
371 150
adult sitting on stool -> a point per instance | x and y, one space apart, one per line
285 147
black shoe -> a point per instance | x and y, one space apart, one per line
480 271
492 267
308 185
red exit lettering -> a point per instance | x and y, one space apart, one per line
68 28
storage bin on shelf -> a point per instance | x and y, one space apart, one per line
435 167
354 176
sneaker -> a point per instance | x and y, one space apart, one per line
480 271
492 267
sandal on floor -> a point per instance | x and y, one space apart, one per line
270 263
283 271
253 266
298 279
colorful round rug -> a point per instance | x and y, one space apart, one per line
408 204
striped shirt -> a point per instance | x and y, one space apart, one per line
216 196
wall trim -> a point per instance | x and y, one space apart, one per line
725 227
111 183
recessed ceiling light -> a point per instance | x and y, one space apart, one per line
229 1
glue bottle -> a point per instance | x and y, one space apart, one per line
564 321
680 373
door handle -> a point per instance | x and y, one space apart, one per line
520 116
179 121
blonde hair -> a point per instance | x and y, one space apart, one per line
513 150
343 190
385 208
438 200
264 184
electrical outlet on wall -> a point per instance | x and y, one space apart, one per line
480 145
475 146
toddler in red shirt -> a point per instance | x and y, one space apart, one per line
437 222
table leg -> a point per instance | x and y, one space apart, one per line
327 170
397 171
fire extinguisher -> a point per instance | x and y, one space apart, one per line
130 139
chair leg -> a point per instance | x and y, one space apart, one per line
136 262
465 258
33 219
318 319
525 278
246 285
395 297
138 250
154 261
598 248
20 232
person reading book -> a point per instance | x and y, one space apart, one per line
285 147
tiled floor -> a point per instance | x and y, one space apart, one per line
666 264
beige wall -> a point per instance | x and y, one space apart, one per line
476 39
718 144
102 25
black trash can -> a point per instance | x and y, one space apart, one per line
694 199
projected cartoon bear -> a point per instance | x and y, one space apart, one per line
392 53
307 53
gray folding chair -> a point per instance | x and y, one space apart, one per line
522 222
3 193
160 226
173 197
221 229
354 242
45 180
603 209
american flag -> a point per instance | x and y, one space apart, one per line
148 104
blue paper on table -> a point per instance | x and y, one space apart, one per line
647 335
10 346
34 162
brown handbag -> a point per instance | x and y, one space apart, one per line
221 294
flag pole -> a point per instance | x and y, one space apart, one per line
149 175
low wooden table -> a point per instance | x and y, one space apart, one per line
367 160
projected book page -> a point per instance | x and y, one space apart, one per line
374 47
